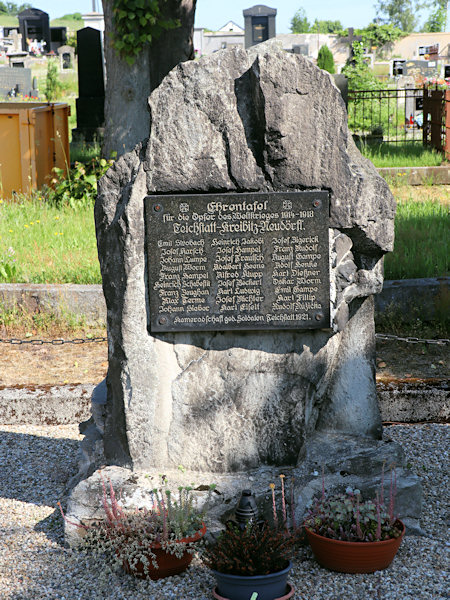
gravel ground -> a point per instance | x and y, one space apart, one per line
37 461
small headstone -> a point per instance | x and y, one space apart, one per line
302 49
398 67
67 56
58 37
15 81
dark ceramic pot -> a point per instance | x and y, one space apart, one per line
273 586
168 564
290 591
354 557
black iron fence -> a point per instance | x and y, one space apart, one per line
390 116
401 115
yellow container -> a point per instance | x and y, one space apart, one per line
34 138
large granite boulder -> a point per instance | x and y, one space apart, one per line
261 120
234 407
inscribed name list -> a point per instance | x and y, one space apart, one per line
238 261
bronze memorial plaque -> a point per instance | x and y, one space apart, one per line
238 261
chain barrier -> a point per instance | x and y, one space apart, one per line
57 342
411 340
60 342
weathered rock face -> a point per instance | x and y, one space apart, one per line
262 120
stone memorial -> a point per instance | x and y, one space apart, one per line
240 245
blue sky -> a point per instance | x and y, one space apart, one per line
215 13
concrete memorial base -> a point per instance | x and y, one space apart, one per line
343 460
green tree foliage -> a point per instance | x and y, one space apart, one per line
76 16
325 59
326 27
378 35
52 83
72 40
437 19
299 22
400 13
137 23
12 9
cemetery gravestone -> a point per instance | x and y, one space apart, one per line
67 56
14 82
259 24
421 68
91 85
58 38
301 49
350 39
34 24
240 245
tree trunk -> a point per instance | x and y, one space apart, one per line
127 119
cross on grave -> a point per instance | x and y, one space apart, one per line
350 38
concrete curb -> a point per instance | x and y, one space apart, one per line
417 175
85 301
414 401
428 297
403 401
45 404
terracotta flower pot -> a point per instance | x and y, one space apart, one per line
168 564
237 587
354 557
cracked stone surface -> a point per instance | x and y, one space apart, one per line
241 121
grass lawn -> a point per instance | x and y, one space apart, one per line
422 226
401 155
42 244
49 245
9 21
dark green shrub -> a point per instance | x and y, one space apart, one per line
53 85
325 59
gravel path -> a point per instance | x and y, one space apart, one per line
36 462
